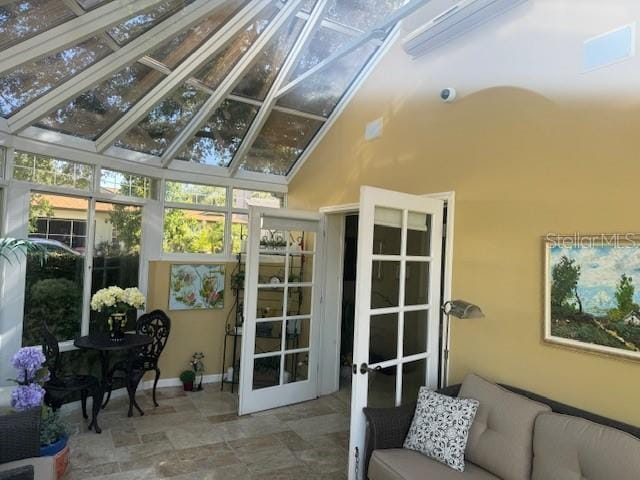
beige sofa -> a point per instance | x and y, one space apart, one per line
515 436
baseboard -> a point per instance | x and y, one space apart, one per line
147 385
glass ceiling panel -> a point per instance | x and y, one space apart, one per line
320 93
136 26
93 112
323 43
154 134
217 142
220 66
31 80
22 19
362 14
258 80
280 142
173 52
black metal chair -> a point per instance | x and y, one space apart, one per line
59 387
157 325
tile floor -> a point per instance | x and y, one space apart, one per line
198 436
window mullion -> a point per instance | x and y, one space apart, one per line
88 267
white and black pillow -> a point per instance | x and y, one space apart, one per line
440 427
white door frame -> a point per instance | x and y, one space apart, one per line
329 362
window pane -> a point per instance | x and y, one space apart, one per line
385 284
266 372
195 193
32 80
414 376
3 159
296 367
245 198
220 65
383 338
120 183
362 14
268 337
280 142
323 43
321 92
91 4
218 140
53 290
136 26
90 114
22 19
116 255
193 231
239 233
50 171
174 51
154 134
256 83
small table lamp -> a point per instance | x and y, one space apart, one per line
459 309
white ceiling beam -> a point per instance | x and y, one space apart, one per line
113 63
350 93
389 21
73 31
230 81
179 76
311 26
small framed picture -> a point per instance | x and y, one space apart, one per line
592 293
194 287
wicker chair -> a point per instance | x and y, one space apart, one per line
157 325
59 387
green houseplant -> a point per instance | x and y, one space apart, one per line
53 432
187 377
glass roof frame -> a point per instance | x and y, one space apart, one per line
314 19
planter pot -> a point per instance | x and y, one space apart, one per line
60 453
188 387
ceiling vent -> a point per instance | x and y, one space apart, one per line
454 22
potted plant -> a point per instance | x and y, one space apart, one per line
117 302
187 378
53 440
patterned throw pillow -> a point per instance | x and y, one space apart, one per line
440 427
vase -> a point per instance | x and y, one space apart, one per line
116 326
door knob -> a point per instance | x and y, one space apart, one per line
364 368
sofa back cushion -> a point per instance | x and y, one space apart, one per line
569 448
501 437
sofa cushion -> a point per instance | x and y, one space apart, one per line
569 448
44 467
402 464
501 437
440 427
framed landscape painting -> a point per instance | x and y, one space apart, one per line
193 287
591 297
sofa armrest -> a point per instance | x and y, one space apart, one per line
19 435
386 428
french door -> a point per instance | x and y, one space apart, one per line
279 360
397 305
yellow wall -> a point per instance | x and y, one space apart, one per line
191 330
532 146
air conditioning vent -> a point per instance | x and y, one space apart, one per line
454 22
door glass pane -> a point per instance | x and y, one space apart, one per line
417 283
382 388
387 231
270 302
271 270
298 333
415 332
266 372
419 234
273 241
414 376
299 301
116 255
385 284
305 241
383 338
53 290
268 337
296 367
300 268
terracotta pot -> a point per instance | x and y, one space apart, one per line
188 387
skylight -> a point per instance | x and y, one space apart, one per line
242 86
